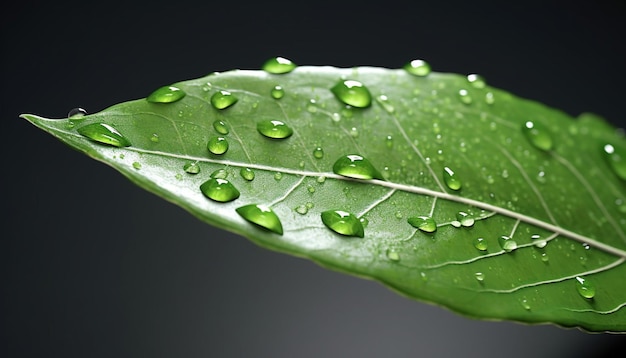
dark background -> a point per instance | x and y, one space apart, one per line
93 266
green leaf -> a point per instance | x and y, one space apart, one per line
443 188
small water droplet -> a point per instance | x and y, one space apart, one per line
105 134
154 138
489 98
480 277
343 222
364 222
261 216
477 81
398 214
76 113
191 168
137 165
166 94
354 132
223 99
219 190
465 219
310 189
464 96
417 68
385 103
616 156
480 244
393 255
353 93
507 244
219 174
544 257
277 92
537 135
220 127
585 288
355 166
389 141
274 129
278 176
217 145
279 65
455 223
247 174
302 209
321 179
451 179
538 241
424 223
318 153
524 302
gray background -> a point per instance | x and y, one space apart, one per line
93 266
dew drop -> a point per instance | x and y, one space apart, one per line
76 113
538 241
464 96
480 244
219 174
480 277
544 257
277 92
343 222
219 190
278 65
278 176
137 165
465 219
525 304
274 129
105 134
424 223
318 153
352 93
451 179
417 68
537 135
310 189
355 166
489 98
384 102
477 81
217 145
191 168
220 127
166 94
393 255
585 288
616 156
302 209
507 244
247 174
154 138
223 99
261 216
398 214
389 141
321 179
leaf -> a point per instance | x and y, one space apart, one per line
444 189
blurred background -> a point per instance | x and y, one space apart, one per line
93 266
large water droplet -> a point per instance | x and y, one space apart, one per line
417 68
262 216
278 65
585 288
166 94
217 145
507 244
353 93
219 190
451 179
537 135
355 166
105 134
223 99
76 113
247 174
274 129
616 156
277 92
220 127
424 223
343 222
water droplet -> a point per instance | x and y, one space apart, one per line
278 65
398 214
355 166
364 222
389 141
219 174
353 93
219 190
310 189
451 179
524 302
393 255
223 99
104 133
455 223
489 98
137 165
417 68
480 244
480 277
166 94
278 176
343 222
262 216
191 168
154 138
220 127
321 179
318 153
616 156
464 96
585 288
424 223
544 257
477 81
538 241
277 92
465 219
76 113
247 174
217 145
302 209
384 102
537 135
507 244
274 129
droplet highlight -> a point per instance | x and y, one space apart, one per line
355 166
352 93
262 216
418 68
105 134
343 222
274 129
217 145
220 190
278 65
223 99
451 179
166 94
537 135
423 223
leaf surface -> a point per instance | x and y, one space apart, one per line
491 205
